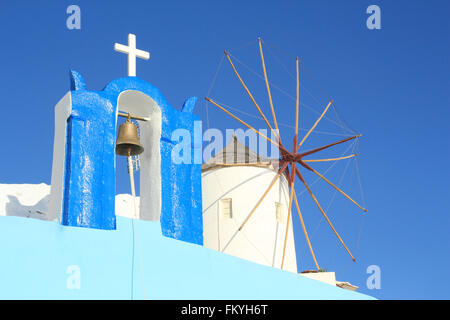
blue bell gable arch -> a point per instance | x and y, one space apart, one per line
83 172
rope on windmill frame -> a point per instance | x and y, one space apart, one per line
268 46
355 146
334 193
251 243
359 179
211 87
343 124
340 124
333 255
288 55
364 203
324 94
288 72
292 76
281 123
328 169
287 94
242 46
363 200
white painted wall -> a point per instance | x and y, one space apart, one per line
32 201
139 104
25 200
62 112
262 238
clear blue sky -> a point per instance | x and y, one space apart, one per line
391 85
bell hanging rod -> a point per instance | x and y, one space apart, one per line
125 115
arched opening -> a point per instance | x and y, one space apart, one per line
148 179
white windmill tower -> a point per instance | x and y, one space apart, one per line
232 183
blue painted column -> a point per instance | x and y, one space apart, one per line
89 186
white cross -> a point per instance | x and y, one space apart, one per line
132 53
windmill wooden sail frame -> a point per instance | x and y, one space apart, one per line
290 161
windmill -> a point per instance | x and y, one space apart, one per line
292 160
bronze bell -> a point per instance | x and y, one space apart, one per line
127 143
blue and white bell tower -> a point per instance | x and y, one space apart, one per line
84 166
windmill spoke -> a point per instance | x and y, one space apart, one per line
323 213
315 124
304 154
257 205
331 159
333 185
305 232
264 195
292 178
268 88
249 93
244 123
288 174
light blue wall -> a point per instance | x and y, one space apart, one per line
119 264
89 183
